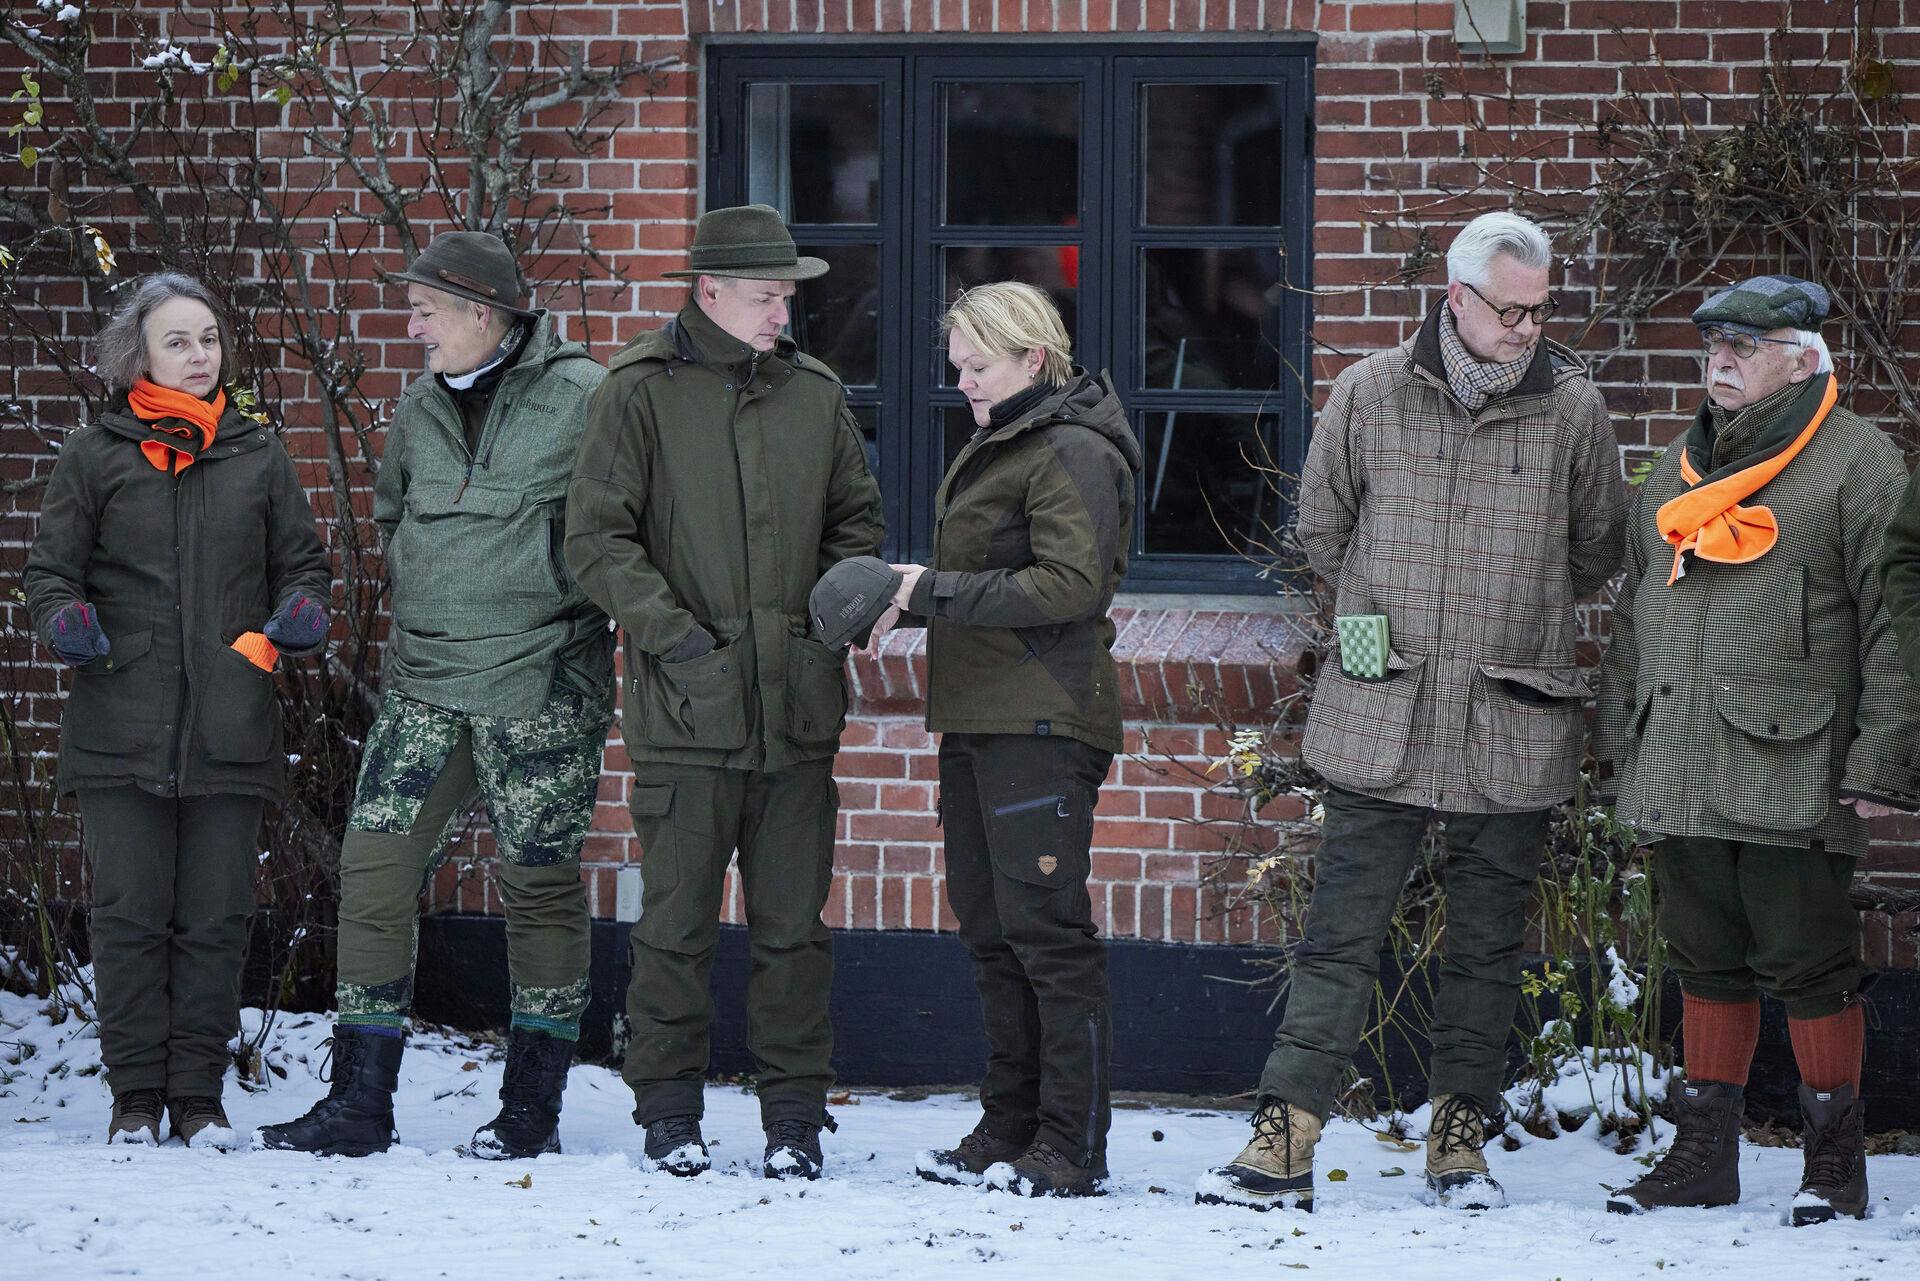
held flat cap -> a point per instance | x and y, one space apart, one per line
849 599
475 265
1765 303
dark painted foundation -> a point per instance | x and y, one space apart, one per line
1187 1020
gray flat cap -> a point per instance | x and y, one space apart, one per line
849 599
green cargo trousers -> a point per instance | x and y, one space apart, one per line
1367 849
690 820
1741 919
424 770
172 901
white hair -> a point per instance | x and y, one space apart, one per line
1471 255
1808 340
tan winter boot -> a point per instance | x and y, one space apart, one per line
136 1117
1275 1169
1457 1173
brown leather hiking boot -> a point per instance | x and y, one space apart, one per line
1457 1173
1044 1170
966 1165
201 1122
1834 1179
136 1117
1274 1169
1702 1164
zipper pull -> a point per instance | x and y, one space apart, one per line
460 493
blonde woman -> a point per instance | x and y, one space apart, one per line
1033 518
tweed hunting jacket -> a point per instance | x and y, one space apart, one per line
1474 534
1743 701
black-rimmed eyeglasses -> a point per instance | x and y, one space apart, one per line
1741 345
1510 316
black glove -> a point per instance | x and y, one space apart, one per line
76 636
696 644
299 626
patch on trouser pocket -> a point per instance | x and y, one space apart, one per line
541 776
1040 833
553 1010
406 752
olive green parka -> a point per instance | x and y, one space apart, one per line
178 564
714 487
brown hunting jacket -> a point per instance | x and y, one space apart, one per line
1744 701
1474 534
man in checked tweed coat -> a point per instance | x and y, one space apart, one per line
1466 485
1753 715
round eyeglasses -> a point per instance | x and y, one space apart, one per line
1510 316
1741 345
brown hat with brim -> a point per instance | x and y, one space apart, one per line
746 242
475 265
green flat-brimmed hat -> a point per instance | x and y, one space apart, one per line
746 242
475 265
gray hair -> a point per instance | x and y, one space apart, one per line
1472 252
120 348
1809 340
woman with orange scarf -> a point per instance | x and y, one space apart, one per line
176 558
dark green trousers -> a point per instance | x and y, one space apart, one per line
1018 814
1742 919
172 903
1367 849
691 820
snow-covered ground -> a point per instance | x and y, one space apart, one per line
71 1207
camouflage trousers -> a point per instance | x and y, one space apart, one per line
424 770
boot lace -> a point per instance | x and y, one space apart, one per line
1458 1125
674 1131
1832 1152
1696 1138
793 1133
143 1102
1273 1124
980 1143
200 1107
1047 1157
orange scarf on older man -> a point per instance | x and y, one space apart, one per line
182 424
1708 519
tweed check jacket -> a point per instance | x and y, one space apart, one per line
1743 701
1474 534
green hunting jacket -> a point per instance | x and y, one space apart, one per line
1033 522
1745 701
178 565
715 485
485 614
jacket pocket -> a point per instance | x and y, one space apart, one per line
1772 761
1524 728
1042 834
234 709
115 703
699 703
1357 731
816 692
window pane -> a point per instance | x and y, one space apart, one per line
956 427
813 151
869 419
1212 154
1208 485
1054 268
1212 319
838 317
1012 154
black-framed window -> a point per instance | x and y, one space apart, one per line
1162 194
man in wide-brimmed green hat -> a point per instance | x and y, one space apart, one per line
721 475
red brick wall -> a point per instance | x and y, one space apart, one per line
1392 136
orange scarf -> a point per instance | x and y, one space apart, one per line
1709 520
172 416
